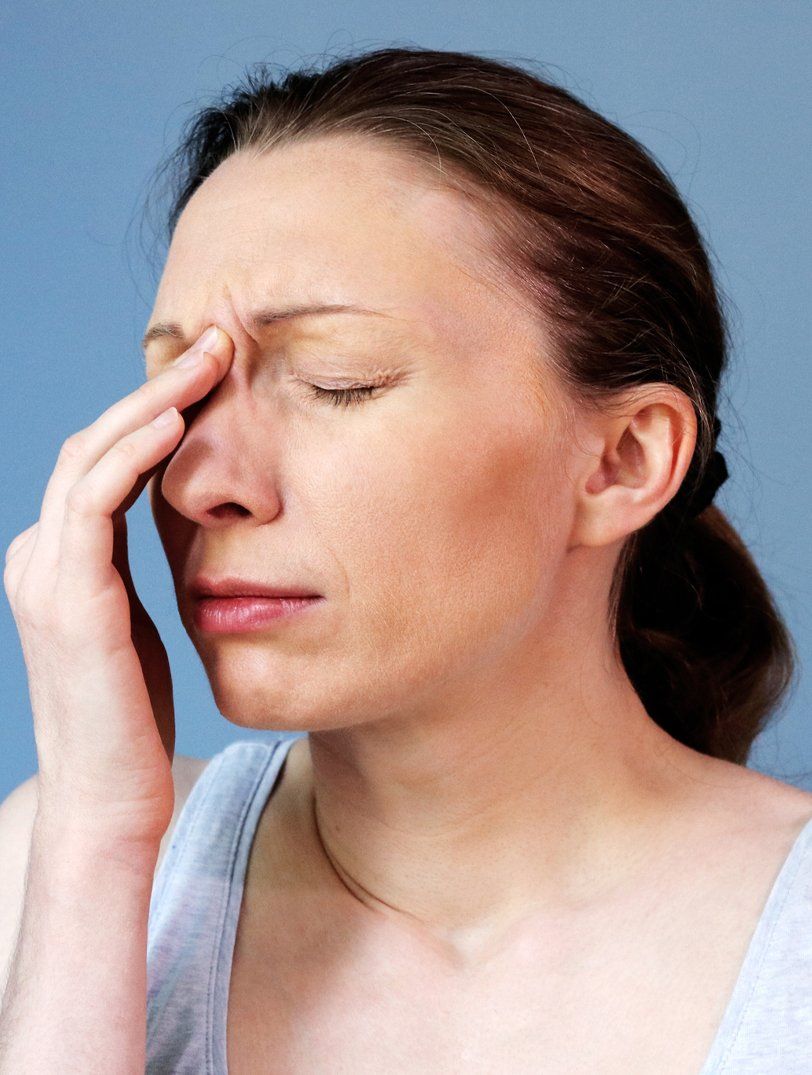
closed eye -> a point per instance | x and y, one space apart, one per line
343 397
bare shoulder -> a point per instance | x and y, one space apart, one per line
17 814
793 805
772 791
754 802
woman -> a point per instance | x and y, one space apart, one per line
459 394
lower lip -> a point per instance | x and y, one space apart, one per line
225 615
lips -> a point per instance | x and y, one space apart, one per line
233 586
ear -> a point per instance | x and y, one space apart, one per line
635 465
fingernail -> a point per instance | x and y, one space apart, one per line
206 342
191 358
165 418
208 339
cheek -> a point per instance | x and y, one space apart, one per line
449 539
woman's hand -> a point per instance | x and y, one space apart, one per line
98 674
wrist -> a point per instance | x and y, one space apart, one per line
71 837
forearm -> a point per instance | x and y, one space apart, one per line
75 1000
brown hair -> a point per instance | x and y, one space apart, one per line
592 231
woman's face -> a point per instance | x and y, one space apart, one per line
432 516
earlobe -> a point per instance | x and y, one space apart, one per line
603 516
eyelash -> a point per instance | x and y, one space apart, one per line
343 397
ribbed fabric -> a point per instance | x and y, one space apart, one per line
195 907
197 895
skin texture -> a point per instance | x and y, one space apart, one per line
477 754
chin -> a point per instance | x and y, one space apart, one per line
258 701
266 703
258 709
262 719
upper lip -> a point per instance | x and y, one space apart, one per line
232 586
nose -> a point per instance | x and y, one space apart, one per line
223 471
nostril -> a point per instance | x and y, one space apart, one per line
228 510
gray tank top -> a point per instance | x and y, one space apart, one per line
766 1028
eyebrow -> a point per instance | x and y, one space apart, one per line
264 318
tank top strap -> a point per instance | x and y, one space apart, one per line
767 1026
195 906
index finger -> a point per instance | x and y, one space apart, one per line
177 385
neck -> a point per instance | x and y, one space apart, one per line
504 803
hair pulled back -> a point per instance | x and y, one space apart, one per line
589 227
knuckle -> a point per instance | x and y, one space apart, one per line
10 581
9 558
80 499
126 448
15 544
73 447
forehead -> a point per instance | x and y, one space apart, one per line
330 220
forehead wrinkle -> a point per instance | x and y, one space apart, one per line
453 233
457 238
288 316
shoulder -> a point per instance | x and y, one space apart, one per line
738 788
743 816
773 798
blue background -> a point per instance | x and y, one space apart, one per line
94 94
